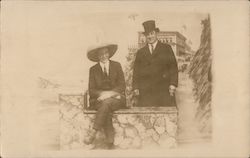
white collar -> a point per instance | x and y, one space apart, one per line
154 44
106 65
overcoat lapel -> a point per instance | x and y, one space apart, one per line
148 55
99 70
156 50
111 69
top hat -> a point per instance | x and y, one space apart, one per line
149 26
92 52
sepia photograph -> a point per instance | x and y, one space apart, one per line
96 77
129 95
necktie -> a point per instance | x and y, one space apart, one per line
105 71
152 48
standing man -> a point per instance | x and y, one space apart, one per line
106 90
155 75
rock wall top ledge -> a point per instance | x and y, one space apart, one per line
142 110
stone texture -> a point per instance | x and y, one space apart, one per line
136 128
159 125
167 141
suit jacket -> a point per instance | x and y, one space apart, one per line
96 78
154 73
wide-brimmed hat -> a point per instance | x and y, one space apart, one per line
92 52
149 26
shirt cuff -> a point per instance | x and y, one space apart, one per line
172 87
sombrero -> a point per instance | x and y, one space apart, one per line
92 52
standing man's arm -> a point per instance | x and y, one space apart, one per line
173 71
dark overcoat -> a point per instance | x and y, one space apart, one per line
98 84
154 73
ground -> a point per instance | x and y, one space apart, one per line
187 106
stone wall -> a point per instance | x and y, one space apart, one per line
136 128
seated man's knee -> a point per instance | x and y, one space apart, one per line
105 104
108 101
109 104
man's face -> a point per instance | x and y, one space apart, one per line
103 55
151 37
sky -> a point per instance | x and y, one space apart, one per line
55 36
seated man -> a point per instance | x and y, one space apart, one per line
106 90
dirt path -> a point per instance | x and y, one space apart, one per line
188 129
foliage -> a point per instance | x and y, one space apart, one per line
199 70
131 100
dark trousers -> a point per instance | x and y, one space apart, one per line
104 114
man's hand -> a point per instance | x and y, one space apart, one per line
136 92
172 89
106 94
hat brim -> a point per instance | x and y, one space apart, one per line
93 53
147 32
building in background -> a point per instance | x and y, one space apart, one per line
182 50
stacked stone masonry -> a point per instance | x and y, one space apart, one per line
136 128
